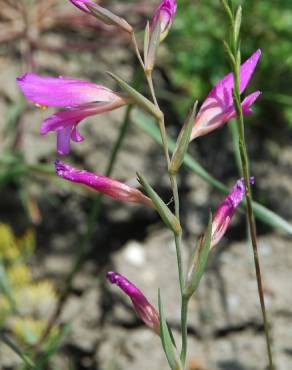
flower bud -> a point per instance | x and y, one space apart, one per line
225 211
102 184
165 14
143 308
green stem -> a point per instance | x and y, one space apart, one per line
177 238
184 324
250 214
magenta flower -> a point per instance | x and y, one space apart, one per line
78 98
218 107
102 184
143 308
82 5
226 210
165 13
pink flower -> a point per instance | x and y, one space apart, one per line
165 13
102 184
218 107
78 98
225 211
82 5
143 308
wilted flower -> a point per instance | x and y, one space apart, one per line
143 308
80 99
102 184
218 107
225 211
165 13
102 14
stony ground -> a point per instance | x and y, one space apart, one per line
225 326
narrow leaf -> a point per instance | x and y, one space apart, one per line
14 347
229 53
262 213
199 261
153 47
146 41
169 349
183 141
227 10
138 98
5 287
110 18
167 216
237 24
52 348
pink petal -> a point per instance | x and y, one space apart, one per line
71 117
62 91
102 184
165 13
81 4
63 140
249 100
222 91
143 308
75 135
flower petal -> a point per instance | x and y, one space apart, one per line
63 140
72 116
82 4
143 308
102 184
62 91
225 211
220 97
165 13
75 135
249 100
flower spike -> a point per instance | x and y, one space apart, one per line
218 107
165 14
143 308
102 184
226 210
78 98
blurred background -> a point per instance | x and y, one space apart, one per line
57 240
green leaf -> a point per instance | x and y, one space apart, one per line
153 47
183 141
108 17
169 349
146 41
237 24
138 98
14 347
5 287
262 213
52 348
167 216
227 10
199 261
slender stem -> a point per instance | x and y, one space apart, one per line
252 229
184 324
136 48
250 214
177 238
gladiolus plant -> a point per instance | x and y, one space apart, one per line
79 99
